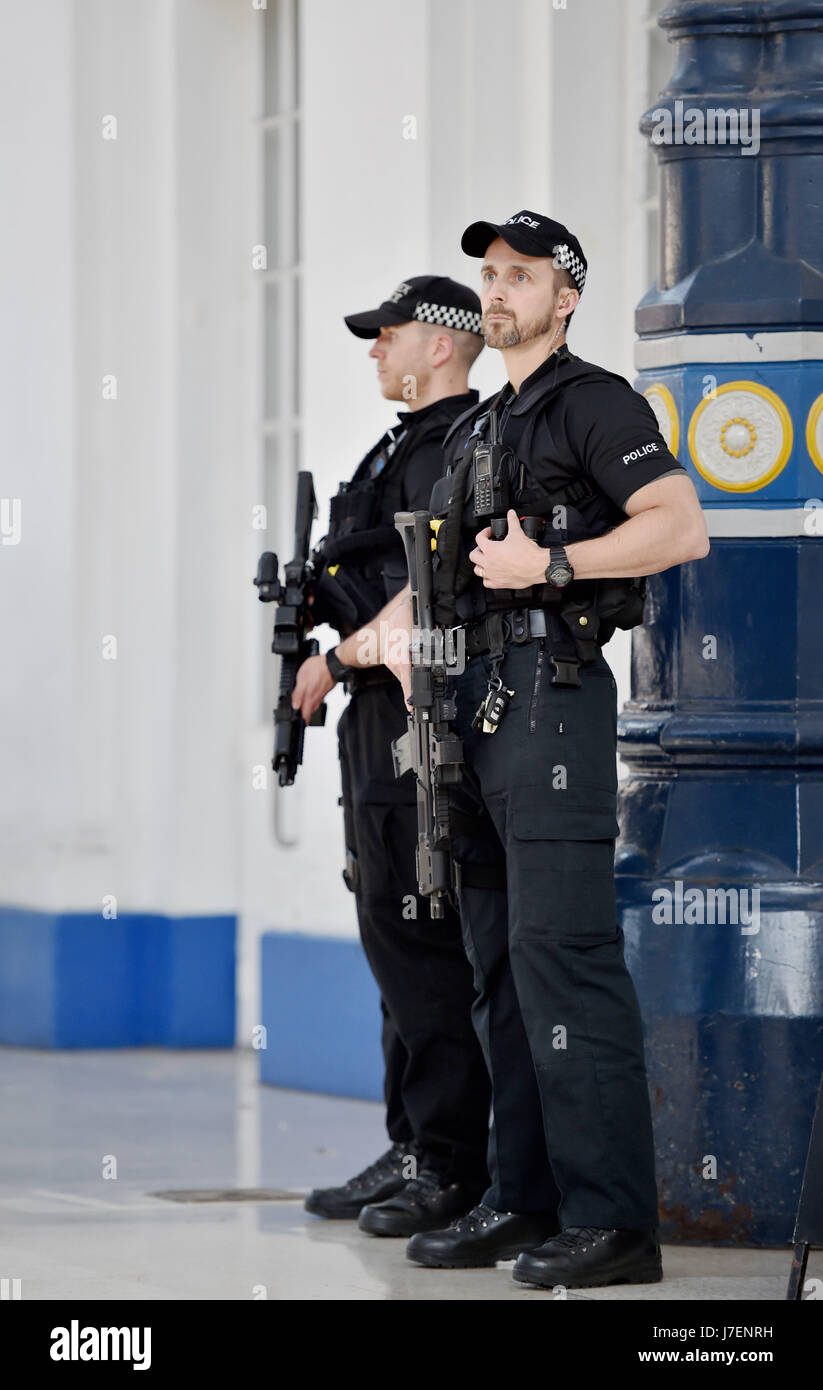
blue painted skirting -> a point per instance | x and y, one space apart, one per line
321 1010
74 979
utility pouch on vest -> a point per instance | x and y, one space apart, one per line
583 621
345 600
352 509
620 602
448 543
591 622
441 495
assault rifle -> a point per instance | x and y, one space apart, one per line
292 620
430 747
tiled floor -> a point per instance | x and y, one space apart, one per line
159 1121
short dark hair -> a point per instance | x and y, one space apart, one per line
467 345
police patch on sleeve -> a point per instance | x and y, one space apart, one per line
641 452
615 436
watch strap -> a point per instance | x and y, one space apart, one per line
337 670
558 556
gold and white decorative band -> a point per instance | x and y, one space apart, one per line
814 433
662 403
740 436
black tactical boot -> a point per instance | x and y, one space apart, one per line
377 1181
585 1257
423 1203
481 1238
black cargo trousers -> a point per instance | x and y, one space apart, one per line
437 1089
556 1010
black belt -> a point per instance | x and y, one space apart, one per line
363 677
519 625
526 625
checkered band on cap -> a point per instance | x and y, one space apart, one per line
566 258
448 317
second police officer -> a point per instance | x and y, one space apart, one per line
425 337
558 493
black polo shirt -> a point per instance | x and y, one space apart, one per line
602 429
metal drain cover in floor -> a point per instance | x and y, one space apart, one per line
230 1194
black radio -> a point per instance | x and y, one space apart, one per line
483 481
491 483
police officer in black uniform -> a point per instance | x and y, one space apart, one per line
426 336
559 492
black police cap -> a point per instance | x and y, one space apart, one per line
427 298
533 234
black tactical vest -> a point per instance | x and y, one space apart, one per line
573 510
360 563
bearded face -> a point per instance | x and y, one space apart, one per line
509 331
519 297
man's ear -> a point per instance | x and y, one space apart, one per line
442 348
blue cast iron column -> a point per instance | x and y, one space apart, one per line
723 735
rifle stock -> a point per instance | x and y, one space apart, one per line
430 748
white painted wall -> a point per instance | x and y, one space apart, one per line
36 443
132 257
128 257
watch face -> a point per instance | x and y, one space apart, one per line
559 575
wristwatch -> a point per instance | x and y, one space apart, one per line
559 570
337 670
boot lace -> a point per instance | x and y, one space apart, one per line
481 1215
419 1188
389 1161
575 1237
